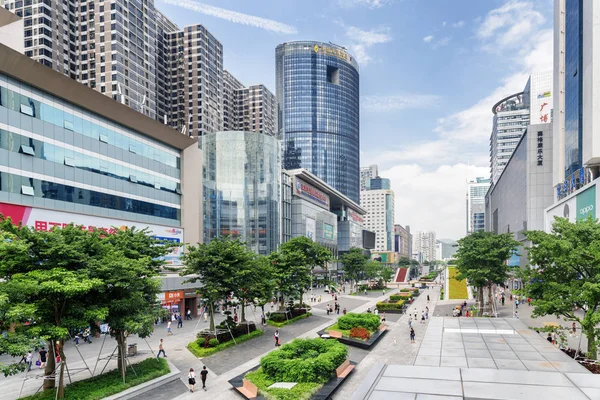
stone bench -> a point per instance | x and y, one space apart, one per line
382 327
248 390
344 369
335 334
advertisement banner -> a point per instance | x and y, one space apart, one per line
311 229
328 232
586 203
354 216
44 220
310 193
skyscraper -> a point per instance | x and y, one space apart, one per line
318 112
255 110
230 85
476 191
379 204
110 47
425 245
366 173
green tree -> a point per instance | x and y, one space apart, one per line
565 275
372 269
481 259
353 262
291 277
404 262
253 282
387 274
215 264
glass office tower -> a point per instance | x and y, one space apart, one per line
318 112
241 188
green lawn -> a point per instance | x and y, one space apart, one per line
458 289
101 386
208 351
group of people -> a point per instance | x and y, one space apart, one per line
335 309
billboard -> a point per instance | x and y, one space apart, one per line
585 203
328 232
42 220
310 193
354 216
578 206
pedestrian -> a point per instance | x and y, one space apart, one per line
192 379
416 314
529 301
76 340
383 292
554 336
263 319
161 349
344 311
369 310
276 338
517 304
503 299
427 299
549 338
410 322
320 298
422 317
328 309
173 317
365 292
169 328
179 322
338 309
516 314
426 312
383 318
189 314
203 375
336 297
412 335
205 315
574 330
42 354
29 360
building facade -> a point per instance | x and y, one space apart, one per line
446 248
255 110
403 241
318 112
366 173
230 85
11 30
379 204
476 191
241 188
424 246
71 155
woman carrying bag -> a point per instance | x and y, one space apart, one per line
192 379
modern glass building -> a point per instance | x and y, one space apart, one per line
318 112
241 175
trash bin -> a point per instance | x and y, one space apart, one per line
132 349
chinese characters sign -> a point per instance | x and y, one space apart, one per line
540 148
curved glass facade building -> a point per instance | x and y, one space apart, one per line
241 175
318 112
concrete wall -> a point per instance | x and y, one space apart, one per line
12 33
191 194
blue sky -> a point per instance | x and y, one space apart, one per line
430 72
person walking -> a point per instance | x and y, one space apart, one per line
412 335
205 315
328 309
410 322
338 309
192 379
427 299
42 354
422 317
344 311
29 360
263 319
203 375
516 314
179 322
574 330
169 332
426 312
161 349
276 336
189 314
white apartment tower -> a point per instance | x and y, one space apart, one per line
379 204
476 191
425 244
108 46
230 85
367 173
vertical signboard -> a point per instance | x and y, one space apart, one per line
586 203
328 232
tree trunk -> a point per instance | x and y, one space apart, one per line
61 375
243 315
302 295
592 345
490 299
212 317
122 348
480 299
50 366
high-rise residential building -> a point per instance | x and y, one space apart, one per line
425 246
230 85
379 204
255 110
514 113
446 248
403 240
318 112
110 47
476 191
164 27
366 173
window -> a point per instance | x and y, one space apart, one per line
27 190
27 110
132 178
69 161
333 75
27 150
68 125
132 148
103 138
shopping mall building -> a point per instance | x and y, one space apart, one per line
69 154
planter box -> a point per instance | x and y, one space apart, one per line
324 393
363 344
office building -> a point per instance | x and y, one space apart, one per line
230 85
71 155
379 204
514 113
366 173
110 47
378 183
476 191
576 139
241 188
424 246
318 112
403 241
446 248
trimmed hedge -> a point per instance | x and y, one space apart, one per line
287 322
198 348
401 296
390 306
353 320
301 391
304 361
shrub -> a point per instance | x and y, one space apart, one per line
213 342
353 320
383 306
360 333
405 290
304 360
401 296
200 348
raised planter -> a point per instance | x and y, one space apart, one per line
326 391
363 344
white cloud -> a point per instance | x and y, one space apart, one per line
444 24
458 24
362 40
235 17
428 39
364 3
397 102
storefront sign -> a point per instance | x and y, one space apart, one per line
328 232
44 220
173 297
586 203
540 148
310 193
354 216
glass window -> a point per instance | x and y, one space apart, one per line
27 150
27 190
